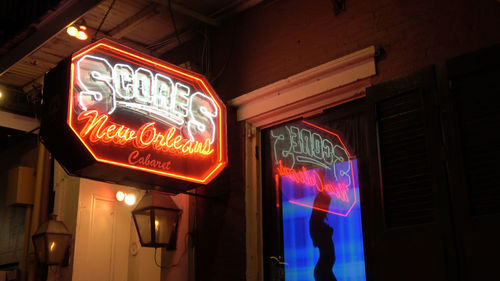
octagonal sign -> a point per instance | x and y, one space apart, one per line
313 168
134 111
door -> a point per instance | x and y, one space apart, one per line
103 233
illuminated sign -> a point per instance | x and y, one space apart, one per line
312 157
134 111
317 191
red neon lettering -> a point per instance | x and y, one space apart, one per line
99 129
312 178
277 181
95 125
135 159
146 131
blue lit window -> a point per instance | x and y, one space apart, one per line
318 198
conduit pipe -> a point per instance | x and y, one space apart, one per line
35 218
27 234
46 188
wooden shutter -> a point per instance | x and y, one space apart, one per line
413 238
408 145
472 138
475 91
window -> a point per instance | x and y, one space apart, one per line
311 198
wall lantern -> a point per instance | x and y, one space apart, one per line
52 241
156 218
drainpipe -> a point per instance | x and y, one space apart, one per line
45 201
30 262
27 235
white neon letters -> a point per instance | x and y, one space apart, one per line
304 146
94 75
104 87
206 111
143 84
123 81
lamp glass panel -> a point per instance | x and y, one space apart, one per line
143 221
57 247
165 225
40 248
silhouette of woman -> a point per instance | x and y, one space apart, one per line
321 235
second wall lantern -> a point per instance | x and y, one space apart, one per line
156 219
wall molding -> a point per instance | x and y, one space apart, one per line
313 90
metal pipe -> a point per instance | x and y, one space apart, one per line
27 235
46 189
35 216
198 195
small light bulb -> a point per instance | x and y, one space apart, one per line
82 35
130 199
1 94
73 31
120 196
82 27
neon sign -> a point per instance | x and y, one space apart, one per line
310 157
134 111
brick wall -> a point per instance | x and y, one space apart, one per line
273 41
277 39
220 218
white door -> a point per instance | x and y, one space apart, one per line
102 236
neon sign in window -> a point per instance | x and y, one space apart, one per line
135 111
317 181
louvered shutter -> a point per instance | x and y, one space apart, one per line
408 145
413 237
475 91
472 136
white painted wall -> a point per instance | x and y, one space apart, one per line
106 244
141 262
178 265
104 235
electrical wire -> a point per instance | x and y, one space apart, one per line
180 258
173 22
103 19
195 232
205 54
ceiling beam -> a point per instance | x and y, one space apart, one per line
233 8
18 122
181 9
132 44
33 84
66 13
135 45
127 25
163 46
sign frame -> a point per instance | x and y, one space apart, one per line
59 134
